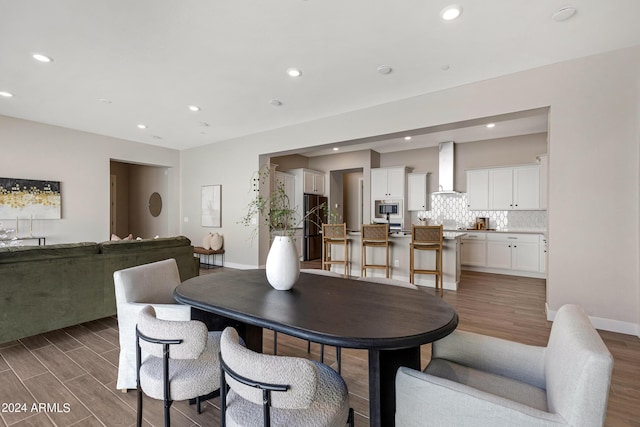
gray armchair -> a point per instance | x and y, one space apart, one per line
477 380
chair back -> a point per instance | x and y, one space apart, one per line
191 334
299 374
375 232
426 234
334 231
577 369
149 283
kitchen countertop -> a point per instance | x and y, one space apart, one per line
502 230
446 235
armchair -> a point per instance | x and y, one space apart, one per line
477 380
135 288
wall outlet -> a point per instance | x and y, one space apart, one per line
396 263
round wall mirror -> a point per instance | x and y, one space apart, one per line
155 204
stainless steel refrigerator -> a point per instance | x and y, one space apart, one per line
312 227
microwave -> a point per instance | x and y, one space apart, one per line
393 208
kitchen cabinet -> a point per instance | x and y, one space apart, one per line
313 182
388 183
543 254
543 161
474 249
514 188
288 182
478 189
505 188
520 252
417 193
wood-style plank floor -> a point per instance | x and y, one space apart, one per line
73 371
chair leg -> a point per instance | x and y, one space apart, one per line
308 346
339 358
198 407
321 353
167 413
139 419
350 419
275 342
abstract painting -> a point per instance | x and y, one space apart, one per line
29 199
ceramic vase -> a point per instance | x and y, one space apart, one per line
283 263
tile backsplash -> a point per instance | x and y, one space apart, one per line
451 211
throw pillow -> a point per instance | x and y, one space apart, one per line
114 237
216 241
206 241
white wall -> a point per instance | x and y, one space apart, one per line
80 161
593 170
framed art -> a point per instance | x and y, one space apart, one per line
29 198
211 201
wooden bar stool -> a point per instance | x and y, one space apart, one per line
334 234
426 238
375 236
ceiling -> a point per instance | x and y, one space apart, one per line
121 63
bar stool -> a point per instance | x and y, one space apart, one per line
334 234
426 238
375 236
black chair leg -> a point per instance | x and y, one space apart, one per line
339 357
321 353
351 420
198 408
275 342
308 346
167 413
139 420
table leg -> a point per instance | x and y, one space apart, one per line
252 335
383 365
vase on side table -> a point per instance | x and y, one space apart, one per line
283 263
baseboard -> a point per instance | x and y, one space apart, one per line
604 324
505 272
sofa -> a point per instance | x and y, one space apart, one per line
44 288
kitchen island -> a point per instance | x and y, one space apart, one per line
399 243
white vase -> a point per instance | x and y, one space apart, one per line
283 263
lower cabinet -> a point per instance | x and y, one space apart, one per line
504 252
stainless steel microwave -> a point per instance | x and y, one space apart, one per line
391 207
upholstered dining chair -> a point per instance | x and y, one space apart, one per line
477 380
135 288
267 390
175 360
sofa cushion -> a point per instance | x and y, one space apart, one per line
491 383
12 254
124 246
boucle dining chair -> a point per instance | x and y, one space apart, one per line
267 390
175 360
477 380
135 288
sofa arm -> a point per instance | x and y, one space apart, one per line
511 359
424 398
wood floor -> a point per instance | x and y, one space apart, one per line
73 371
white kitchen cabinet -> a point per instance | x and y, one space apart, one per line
417 193
543 160
520 252
478 189
313 182
474 249
514 188
543 253
388 183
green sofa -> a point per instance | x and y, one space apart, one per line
44 288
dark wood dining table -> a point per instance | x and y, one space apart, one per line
390 322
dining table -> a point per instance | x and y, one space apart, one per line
390 322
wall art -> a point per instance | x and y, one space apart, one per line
29 199
211 202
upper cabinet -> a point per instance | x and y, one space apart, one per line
417 194
313 182
388 183
478 189
507 188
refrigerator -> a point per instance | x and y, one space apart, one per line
312 227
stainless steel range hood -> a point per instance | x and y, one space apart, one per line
445 168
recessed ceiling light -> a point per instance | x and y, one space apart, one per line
491 125
294 72
194 108
384 69
105 100
141 126
42 58
451 12
563 13
445 68
6 94
407 138
275 102
335 148
204 124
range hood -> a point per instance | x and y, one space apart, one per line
445 168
